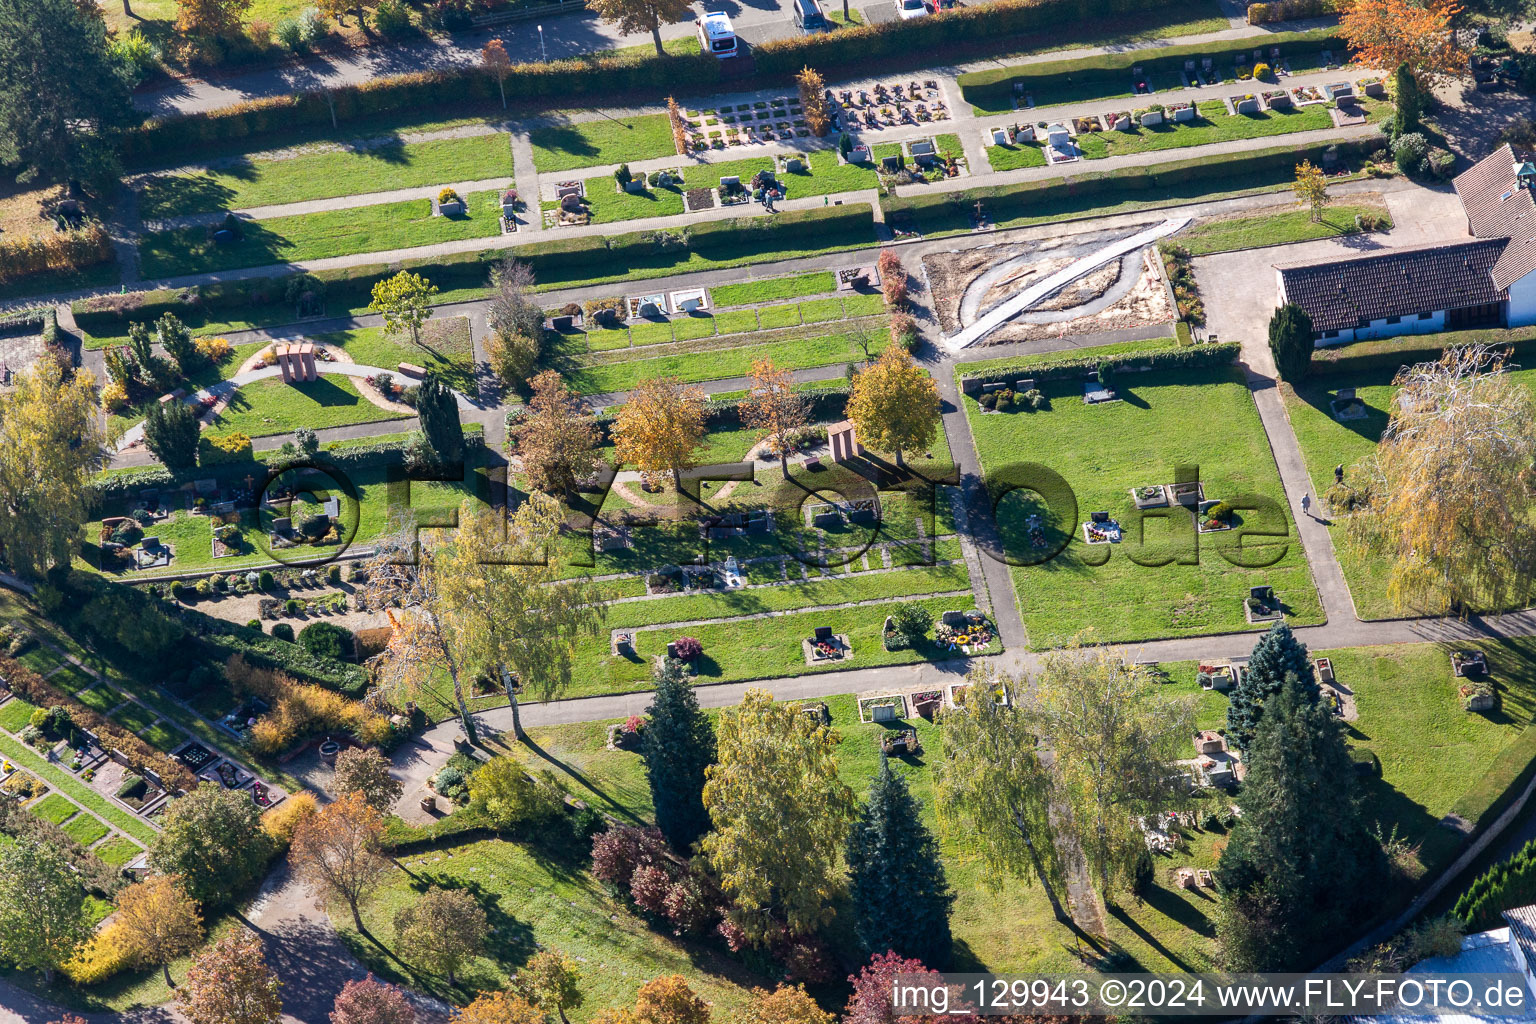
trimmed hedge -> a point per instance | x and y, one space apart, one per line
993 89
1198 357
990 27
1392 353
1275 165
821 403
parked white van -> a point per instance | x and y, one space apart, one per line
716 35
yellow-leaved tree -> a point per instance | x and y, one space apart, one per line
661 427
1446 497
157 922
774 407
780 816
51 445
894 405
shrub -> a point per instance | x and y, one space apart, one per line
623 175
447 195
619 850
688 648
1409 152
987 399
392 18
280 821
231 447
213 349
691 905
648 887
282 630
912 619
449 782
327 640
904 331
102 957
265 580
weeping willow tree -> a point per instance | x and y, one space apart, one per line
487 596
1447 496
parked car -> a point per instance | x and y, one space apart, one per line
716 35
935 6
911 9
808 16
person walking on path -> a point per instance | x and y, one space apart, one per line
1306 504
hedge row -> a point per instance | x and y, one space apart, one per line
1508 884
1392 353
1259 167
221 639
911 43
59 251
162 138
821 404
1196 358
994 88
44 322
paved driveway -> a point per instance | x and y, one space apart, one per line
1240 290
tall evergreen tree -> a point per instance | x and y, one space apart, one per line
893 861
1300 867
171 431
439 412
63 98
678 745
1277 653
1407 101
1290 340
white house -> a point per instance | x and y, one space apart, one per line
1487 281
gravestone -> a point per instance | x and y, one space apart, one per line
923 152
891 164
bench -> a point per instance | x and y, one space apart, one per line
411 370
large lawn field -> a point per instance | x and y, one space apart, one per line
1196 418
321 175
446 349
1275 227
313 236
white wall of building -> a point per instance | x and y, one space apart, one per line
1522 302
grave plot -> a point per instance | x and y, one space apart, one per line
1127 292
747 122
887 103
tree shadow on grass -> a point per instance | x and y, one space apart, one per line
582 779
563 138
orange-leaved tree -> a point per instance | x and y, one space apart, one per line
337 852
1386 33
774 407
661 427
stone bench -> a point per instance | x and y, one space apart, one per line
411 370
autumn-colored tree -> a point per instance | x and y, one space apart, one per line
549 981
1311 187
642 16
337 852
1115 741
669 1000
813 101
499 1008
894 405
370 1001
874 988
441 929
405 301
158 922
493 57
51 446
787 1004
991 782
780 814
338 8
774 407
893 278
557 443
364 770
1386 33
230 983
219 19
661 427
1446 496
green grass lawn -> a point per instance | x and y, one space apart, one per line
825 176
100 699
85 829
117 851
817 282
1275 228
270 406
446 348
54 807
313 236
1203 418
1326 442
1011 158
712 364
1214 124
698 326
609 203
163 737
16 714
72 679
561 147
322 175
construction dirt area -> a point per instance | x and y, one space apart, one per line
1127 292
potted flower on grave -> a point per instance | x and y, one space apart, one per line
450 203
688 648
508 202
631 734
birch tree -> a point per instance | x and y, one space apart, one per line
992 783
774 407
1446 497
